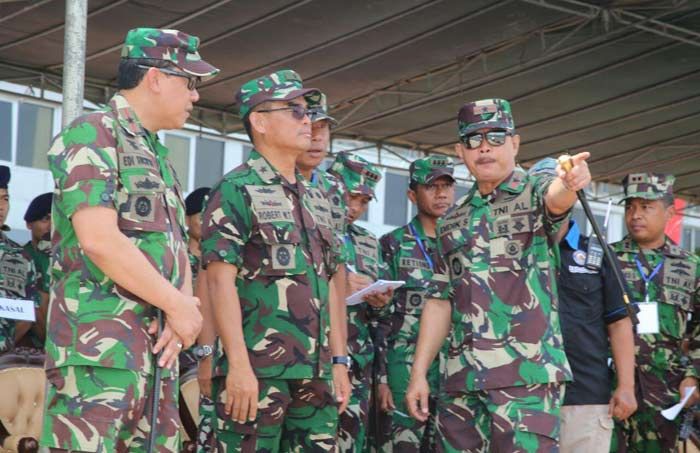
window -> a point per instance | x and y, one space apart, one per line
580 218
395 200
246 153
34 135
209 164
180 157
460 190
687 238
5 131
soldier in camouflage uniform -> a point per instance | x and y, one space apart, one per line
322 184
18 275
270 256
409 253
38 219
119 251
505 366
364 266
190 358
664 279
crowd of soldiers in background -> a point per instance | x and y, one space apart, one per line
498 340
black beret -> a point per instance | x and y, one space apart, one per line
194 203
4 176
39 208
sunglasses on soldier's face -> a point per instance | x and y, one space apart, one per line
495 137
298 111
192 81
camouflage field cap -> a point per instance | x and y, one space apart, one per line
170 45
428 169
279 86
320 112
650 186
358 175
487 113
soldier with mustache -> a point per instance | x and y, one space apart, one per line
505 367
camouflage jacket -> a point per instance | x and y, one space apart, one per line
405 261
18 280
501 258
363 257
676 288
40 256
326 186
333 190
107 158
285 252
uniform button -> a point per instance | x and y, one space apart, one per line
222 253
105 196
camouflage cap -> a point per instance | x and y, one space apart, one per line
650 186
279 86
485 114
358 175
170 45
320 112
428 169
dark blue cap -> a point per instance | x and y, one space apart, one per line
4 176
194 203
39 208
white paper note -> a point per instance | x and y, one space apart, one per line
673 411
648 317
21 310
380 286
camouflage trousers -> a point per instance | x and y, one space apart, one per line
506 420
206 441
294 415
647 430
106 410
408 434
354 422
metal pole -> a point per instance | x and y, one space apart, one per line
567 164
74 59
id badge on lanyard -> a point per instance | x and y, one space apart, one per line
648 315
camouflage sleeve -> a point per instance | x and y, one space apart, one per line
441 287
226 225
83 162
694 329
541 182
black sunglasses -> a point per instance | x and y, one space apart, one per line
298 111
493 138
192 81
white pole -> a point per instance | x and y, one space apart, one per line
74 59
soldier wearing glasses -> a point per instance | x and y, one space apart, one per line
270 255
120 251
505 367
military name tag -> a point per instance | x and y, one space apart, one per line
413 263
648 317
131 160
21 310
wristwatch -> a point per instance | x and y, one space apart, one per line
342 360
203 351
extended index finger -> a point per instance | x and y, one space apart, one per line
580 157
